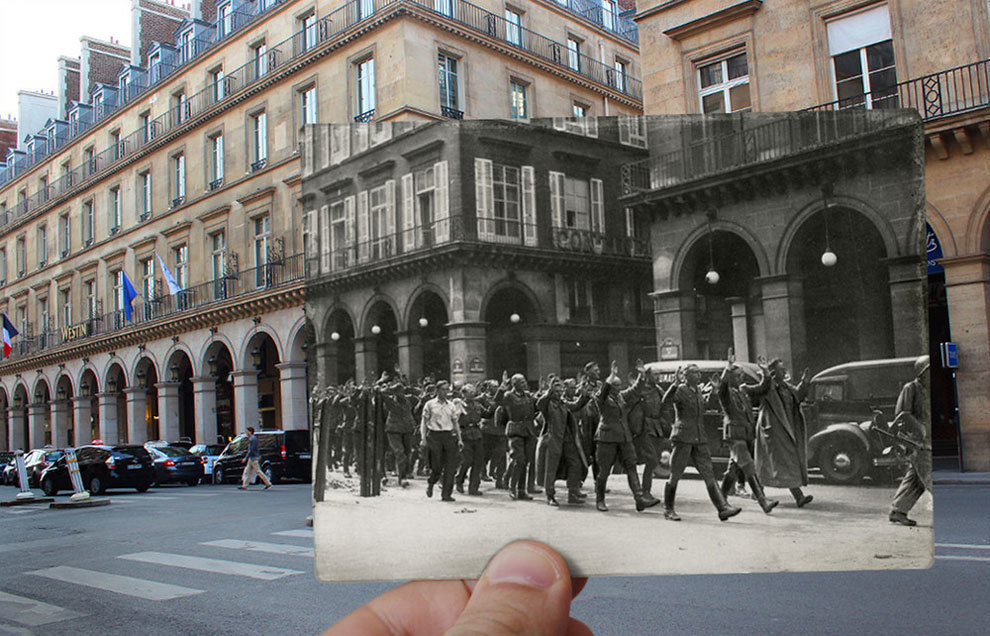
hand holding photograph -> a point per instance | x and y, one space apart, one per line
532 329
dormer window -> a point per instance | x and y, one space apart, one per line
123 85
186 45
225 21
154 61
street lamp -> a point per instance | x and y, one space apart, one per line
712 277
18 402
142 379
60 393
828 256
84 388
515 318
375 329
112 385
37 396
423 322
256 358
174 372
213 365
335 336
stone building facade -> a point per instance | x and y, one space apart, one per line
466 251
195 158
777 55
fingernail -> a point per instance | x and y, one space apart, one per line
523 565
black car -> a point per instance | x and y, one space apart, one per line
37 461
175 464
102 468
284 454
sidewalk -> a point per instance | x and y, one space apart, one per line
954 477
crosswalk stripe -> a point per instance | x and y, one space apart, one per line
217 566
32 613
126 585
963 546
261 546
963 558
306 534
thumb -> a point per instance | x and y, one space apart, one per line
526 589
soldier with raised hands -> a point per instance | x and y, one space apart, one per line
645 409
739 428
690 445
399 423
614 442
473 455
912 418
560 443
520 409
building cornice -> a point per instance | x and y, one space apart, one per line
660 8
712 20
177 229
148 242
248 200
216 213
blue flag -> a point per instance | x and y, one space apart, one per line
129 295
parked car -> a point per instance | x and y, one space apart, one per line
174 464
9 472
37 461
102 468
209 453
182 442
284 454
845 404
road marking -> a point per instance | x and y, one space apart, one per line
260 546
32 613
126 585
963 558
306 534
217 566
963 546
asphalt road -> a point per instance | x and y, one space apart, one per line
213 559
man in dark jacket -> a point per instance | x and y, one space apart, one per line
614 442
493 439
399 425
473 455
912 418
520 408
645 411
561 443
690 445
739 429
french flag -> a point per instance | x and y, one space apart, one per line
8 333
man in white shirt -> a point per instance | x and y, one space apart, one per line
440 433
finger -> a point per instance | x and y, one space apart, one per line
577 584
421 607
577 628
525 589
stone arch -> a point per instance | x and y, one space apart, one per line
219 338
141 357
297 338
946 237
94 374
364 327
119 363
882 225
978 228
700 233
244 353
514 283
41 382
324 326
408 319
65 378
175 349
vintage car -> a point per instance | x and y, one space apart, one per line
845 406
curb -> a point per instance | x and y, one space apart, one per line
66 505
955 481
26 502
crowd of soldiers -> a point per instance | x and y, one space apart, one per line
569 428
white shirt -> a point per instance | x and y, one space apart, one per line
441 416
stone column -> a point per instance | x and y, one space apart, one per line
37 417
61 414
967 283
108 417
81 415
137 422
674 315
740 328
15 429
542 352
757 329
168 410
783 319
365 359
5 434
292 376
326 362
466 344
908 305
205 408
245 398
411 354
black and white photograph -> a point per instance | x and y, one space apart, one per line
672 344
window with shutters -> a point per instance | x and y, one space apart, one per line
518 102
90 288
114 209
65 302
215 174
64 235
580 124
144 195
424 207
449 82
381 221
506 221
262 232
505 203
425 203
577 204
579 299
42 245
862 52
88 223
632 131
338 240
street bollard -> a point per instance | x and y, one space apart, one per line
79 494
22 477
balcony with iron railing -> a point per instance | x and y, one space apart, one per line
281 54
422 240
611 21
784 136
271 276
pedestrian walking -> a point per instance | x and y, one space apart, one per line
520 408
911 420
251 468
781 444
562 453
441 434
473 456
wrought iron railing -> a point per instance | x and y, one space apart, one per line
785 136
233 284
941 94
451 113
374 251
